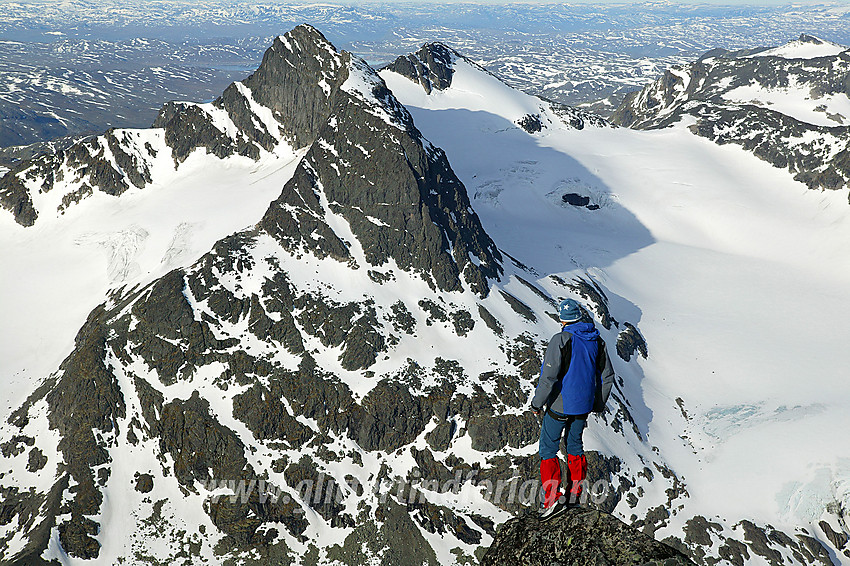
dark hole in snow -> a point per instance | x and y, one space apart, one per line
579 200
576 199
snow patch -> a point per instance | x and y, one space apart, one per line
800 49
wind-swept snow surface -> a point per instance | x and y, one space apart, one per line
736 273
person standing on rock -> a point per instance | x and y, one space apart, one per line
575 379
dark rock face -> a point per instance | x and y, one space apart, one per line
530 123
392 523
110 163
430 227
519 307
817 155
37 460
262 410
606 469
432 66
491 321
16 445
199 445
439 520
298 73
144 483
838 539
27 508
492 433
580 536
86 400
187 127
629 342
326 498
15 198
294 81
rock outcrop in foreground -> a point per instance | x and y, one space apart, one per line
580 536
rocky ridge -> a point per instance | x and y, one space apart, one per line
433 66
236 123
578 537
790 111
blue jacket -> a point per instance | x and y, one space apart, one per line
576 376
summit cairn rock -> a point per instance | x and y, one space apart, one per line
578 537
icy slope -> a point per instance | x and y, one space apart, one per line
734 272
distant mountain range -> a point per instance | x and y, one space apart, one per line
76 69
789 105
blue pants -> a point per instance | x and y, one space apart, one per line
550 435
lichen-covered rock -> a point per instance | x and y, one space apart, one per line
578 537
144 483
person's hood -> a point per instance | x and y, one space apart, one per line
583 330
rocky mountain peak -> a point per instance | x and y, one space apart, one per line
397 192
432 66
295 80
806 38
370 201
288 98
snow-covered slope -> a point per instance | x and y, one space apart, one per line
63 268
437 67
807 47
732 271
307 388
123 209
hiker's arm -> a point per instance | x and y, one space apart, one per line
607 378
548 373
